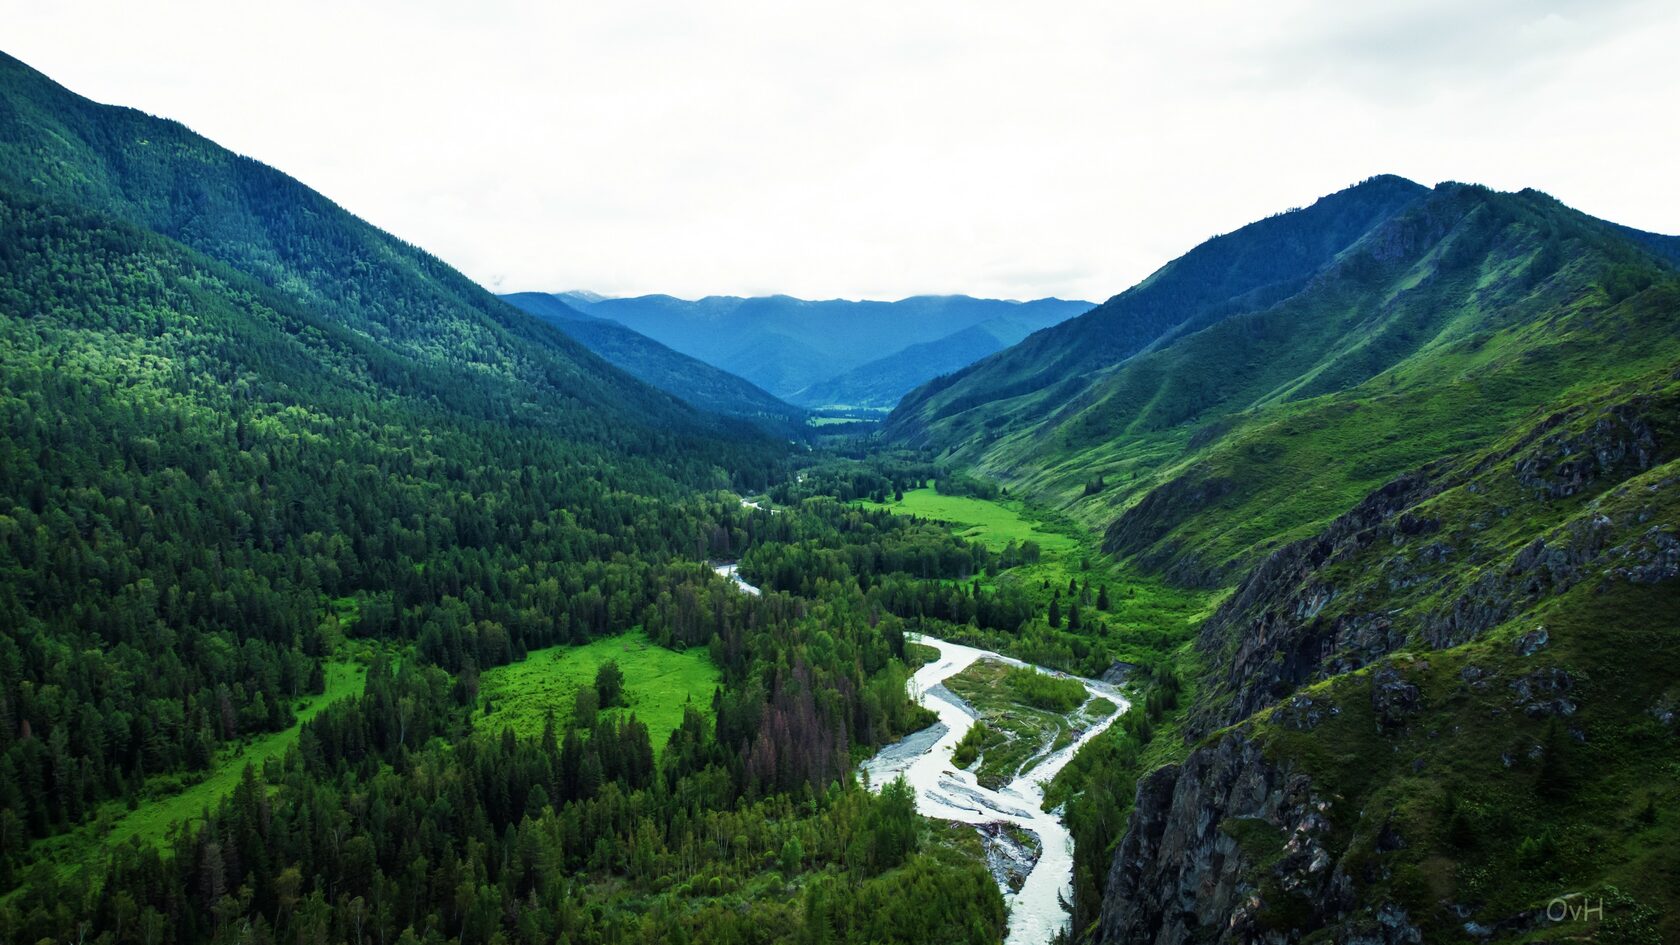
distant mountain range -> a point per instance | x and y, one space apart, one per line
700 384
834 353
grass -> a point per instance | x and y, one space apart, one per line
168 802
657 684
993 523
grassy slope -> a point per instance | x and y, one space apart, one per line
992 523
657 684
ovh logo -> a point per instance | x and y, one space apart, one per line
1579 910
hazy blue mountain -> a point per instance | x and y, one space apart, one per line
881 383
786 345
691 379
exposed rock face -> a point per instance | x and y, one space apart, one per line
1119 672
1278 631
1182 875
1270 625
1544 693
1392 697
1175 872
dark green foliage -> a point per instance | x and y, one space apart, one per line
1556 778
609 684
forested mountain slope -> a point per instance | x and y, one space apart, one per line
159 176
690 379
199 452
245 439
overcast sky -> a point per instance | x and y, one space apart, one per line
877 150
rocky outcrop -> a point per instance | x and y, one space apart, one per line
1239 845
1232 848
1278 631
1563 464
1268 634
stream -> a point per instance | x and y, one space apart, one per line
1037 912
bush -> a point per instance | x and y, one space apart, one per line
1043 691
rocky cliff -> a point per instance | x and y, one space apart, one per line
1442 713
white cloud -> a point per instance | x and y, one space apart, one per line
881 149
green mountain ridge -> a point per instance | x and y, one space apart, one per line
1434 478
1204 436
158 175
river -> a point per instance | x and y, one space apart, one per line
732 572
1037 912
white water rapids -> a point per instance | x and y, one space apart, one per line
1037 912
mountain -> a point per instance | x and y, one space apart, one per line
1420 446
1400 322
882 383
1449 715
1243 271
787 345
690 379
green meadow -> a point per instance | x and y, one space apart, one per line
657 684
992 523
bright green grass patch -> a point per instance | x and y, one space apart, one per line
992 523
1044 691
657 684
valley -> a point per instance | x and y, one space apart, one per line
1321 586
